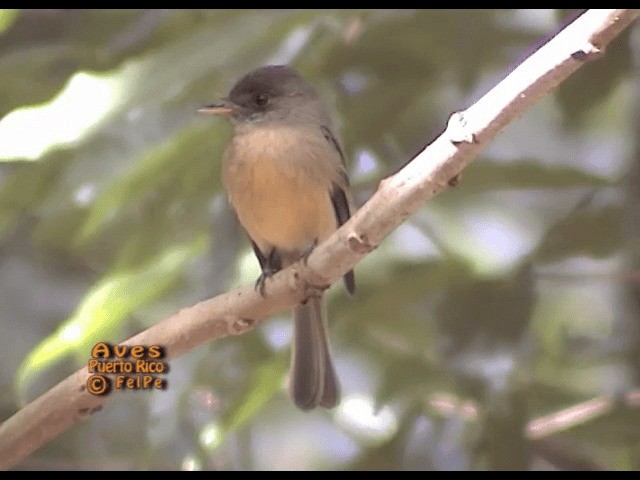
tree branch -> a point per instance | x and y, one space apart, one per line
430 172
584 412
540 431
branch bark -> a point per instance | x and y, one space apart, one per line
398 196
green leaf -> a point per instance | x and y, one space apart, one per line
158 167
7 17
105 308
484 175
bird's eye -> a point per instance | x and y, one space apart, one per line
261 100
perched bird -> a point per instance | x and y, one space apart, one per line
285 175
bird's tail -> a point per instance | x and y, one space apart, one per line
313 380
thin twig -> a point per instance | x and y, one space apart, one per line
540 431
584 412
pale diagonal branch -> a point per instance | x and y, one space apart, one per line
399 196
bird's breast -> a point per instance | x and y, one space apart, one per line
279 182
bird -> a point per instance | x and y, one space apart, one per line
285 175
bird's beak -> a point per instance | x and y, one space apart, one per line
224 108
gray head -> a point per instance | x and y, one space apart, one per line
270 94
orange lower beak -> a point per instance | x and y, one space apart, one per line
223 109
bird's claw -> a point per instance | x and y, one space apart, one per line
273 265
262 279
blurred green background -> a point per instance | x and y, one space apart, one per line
509 297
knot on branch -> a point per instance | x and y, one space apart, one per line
307 281
458 129
360 244
241 325
588 52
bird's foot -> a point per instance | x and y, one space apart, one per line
266 273
272 265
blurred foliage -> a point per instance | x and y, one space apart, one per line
514 294
105 307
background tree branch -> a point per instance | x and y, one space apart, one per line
542 431
398 196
